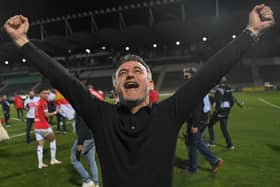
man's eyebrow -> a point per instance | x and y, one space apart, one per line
122 69
139 67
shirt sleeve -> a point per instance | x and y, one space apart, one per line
206 104
61 79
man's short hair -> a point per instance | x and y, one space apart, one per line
131 57
42 89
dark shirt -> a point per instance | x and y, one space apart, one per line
82 131
6 105
51 106
222 95
198 118
138 150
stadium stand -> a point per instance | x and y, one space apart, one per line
270 73
92 47
101 83
19 84
241 75
172 81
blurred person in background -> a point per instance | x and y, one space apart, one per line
6 110
153 95
196 123
84 146
223 102
51 105
29 105
18 103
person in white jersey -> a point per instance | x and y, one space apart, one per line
29 105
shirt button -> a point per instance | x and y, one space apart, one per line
132 127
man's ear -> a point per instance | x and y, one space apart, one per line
151 85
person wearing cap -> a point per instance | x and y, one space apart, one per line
196 123
136 140
223 101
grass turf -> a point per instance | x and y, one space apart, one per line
255 162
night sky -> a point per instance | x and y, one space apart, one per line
39 9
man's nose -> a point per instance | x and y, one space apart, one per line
130 75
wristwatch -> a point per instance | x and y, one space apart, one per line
252 34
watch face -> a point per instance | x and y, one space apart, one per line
252 34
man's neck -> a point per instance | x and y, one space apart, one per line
135 109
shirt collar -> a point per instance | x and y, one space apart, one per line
123 108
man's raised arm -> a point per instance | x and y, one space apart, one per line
17 28
188 96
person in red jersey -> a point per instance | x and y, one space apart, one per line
43 130
18 102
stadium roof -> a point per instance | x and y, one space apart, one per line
45 8
60 26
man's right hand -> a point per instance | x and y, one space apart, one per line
79 149
17 28
194 130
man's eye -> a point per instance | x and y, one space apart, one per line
122 73
137 71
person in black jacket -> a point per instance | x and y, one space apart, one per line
223 101
196 122
136 140
6 110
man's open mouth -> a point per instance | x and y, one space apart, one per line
129 85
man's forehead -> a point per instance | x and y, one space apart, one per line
131 64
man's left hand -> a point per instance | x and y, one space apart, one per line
260 19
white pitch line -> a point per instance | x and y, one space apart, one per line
21 134
268 103
16 119
18 135
10 131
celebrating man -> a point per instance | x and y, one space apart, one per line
136 141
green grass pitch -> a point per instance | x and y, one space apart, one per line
255 132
